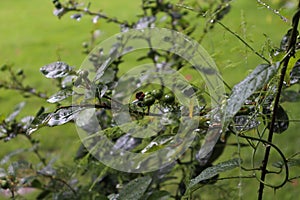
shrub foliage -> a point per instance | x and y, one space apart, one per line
251 112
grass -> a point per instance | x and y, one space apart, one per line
32 37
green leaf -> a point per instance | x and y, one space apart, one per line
8 156
59 96
260 76
38 122
113 196
59 117
281 120
63 116
3 173
292 62
17 166
294 74
158 143
159 195
44 194
214 170
291 163
294 162
15 113
56 70
135 189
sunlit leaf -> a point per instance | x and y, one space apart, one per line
63 116
245 123
68 81
126 142
56 70
48 170
57 118
214 170
38 122
95 19
158 143
15 113
260 76
77 16
59 96
135 189
26 121
145 22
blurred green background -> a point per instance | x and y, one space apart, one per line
31 36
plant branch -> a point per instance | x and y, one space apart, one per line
291 51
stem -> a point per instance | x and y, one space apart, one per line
290 50
244 42
35 150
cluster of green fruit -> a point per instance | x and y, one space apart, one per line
148 98
4 183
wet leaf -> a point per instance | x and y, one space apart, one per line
126 142
57 118
8 156
284 40
68 81
38 122
293 65
56 70
3 173
158 143
26 121
290 96
245 123
95 19
135 189
260 76
77 16
59 96
281 119
63 116
145 22
214 170
48 170
291 163
18 166
15 113
295 73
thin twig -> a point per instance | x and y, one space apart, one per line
243 41
276 12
